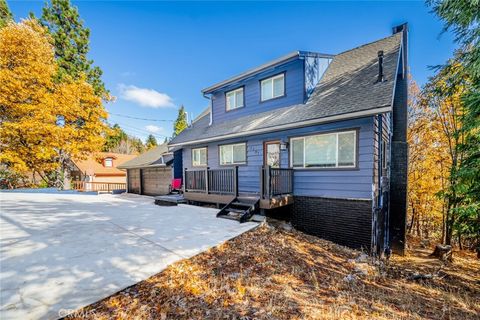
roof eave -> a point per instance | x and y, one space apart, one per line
250 72
306 123
143 166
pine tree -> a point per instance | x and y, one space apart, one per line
151 142
113 138
71 41
118 141
180 123
5 13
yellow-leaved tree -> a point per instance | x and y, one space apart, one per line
427 169
43 123
434 134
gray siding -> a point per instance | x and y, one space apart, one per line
351 183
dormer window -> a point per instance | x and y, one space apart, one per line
234 99
273 87
108 162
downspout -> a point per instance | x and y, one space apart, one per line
379 208
210 106
389 166
377 189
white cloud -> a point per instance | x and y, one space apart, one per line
146 97
153 129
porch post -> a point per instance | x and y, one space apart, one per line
262 182
268 181
235 181
184 181
206 180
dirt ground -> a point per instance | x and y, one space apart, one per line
272 273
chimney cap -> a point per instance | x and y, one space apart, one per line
380 53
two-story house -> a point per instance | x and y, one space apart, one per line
320 137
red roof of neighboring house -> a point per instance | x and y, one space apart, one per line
94 164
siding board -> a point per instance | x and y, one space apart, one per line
354 183
294 89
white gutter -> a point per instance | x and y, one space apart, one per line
358 114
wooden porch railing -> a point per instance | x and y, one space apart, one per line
212 181
275 181
99 186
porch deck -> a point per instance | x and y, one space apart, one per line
220 186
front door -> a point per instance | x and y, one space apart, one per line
271 154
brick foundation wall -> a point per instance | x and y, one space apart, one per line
346 222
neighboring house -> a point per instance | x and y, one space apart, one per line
101 167
320 137
150 173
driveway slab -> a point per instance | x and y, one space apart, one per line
59 252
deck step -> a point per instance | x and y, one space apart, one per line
242 204
240 209
236 210
230 217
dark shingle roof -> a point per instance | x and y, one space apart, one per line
348 86
151 158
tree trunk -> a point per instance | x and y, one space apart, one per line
448 224
443 224
66 175
417 226
410 227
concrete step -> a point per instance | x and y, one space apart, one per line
258 218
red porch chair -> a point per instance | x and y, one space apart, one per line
176 185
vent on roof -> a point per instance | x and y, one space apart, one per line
380 67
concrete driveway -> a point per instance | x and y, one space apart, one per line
59 252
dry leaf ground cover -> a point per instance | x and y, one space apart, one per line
271 273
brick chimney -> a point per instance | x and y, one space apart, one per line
399 152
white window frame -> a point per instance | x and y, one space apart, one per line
281 75
244 144
110 160
235 92
198 164
355 155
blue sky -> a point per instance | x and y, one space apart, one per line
157 56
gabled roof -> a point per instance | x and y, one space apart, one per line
93 165
348 89
156 157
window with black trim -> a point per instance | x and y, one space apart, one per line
273 87
234 99
327 150
233 153
199 157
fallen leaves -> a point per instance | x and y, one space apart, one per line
269 273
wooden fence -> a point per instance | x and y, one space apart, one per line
99 186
